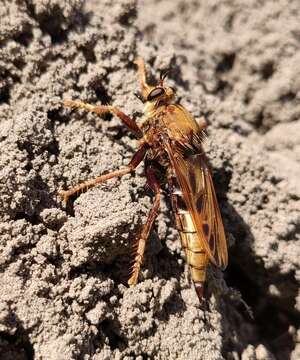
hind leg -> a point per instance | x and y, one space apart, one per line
141 243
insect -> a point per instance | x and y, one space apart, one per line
171 145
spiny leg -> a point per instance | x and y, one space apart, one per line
136 159
141 243
142 77
105 109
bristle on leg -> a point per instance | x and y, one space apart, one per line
140 245
134 275
135 268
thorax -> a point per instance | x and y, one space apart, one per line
155 133
153 127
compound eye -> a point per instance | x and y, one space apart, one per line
155 93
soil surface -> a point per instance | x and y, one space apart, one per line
64 269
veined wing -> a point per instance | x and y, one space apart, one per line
196 184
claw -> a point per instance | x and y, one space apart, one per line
138 61
64 195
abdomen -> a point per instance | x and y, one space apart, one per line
195 254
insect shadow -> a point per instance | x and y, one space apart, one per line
14 345
272 316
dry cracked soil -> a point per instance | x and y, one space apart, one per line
63 269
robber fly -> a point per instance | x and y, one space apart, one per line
170 143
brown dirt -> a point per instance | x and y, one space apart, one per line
63 270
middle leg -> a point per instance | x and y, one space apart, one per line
141 244
135 161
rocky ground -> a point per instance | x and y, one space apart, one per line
63 269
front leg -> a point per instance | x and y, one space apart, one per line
145 88
105 109
141 243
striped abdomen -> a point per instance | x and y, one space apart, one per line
196 256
